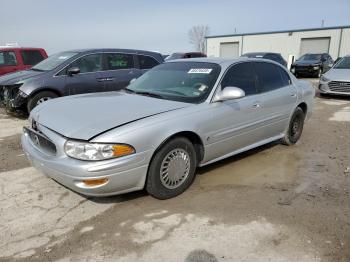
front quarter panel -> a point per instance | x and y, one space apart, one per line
149 133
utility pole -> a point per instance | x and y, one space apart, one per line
322 24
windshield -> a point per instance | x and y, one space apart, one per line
310 57
343 63
53 61
189 82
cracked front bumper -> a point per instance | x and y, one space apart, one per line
12 97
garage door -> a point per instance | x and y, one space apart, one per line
229 50
314 45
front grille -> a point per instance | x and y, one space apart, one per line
338 86
304 68
40 141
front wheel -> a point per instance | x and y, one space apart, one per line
295 127
172 169
39 98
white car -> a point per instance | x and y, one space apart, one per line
337 80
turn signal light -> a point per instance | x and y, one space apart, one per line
95 182
122 150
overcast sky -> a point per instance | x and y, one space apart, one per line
158 25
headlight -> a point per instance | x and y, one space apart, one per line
324 79
316 67
96 151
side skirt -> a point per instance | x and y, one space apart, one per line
260 143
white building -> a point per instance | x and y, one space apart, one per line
291 44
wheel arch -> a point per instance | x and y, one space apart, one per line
194 138
43 89
303 107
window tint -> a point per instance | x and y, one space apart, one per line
88 63
269 76
31 57
147 62
119 61
242 76
8 58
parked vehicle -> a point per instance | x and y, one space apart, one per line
185 55
76 72
312 65
337 80
14 59
154 134
277 57
337 60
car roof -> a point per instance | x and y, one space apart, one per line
261 53
20 48
133 51
221 61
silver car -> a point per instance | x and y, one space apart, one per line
337 80
178 116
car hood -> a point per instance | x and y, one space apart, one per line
306 62
338 74
86 116
14 78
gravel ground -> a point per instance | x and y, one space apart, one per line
274 203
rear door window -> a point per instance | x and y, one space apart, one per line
31 57
269 76
117 61
88 63
241 75
147 62
8 58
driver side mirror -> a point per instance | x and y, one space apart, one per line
73 71
229 93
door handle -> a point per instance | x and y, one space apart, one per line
256 105
104 79
293 95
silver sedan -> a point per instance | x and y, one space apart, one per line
176 117
337 80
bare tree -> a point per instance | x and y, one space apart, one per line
197 36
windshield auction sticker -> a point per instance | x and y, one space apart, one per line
200 71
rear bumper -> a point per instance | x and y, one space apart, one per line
123 175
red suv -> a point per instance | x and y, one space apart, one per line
19 58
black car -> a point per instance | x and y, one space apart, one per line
277 57
75 72
312 65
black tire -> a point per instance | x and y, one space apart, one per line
33 101
295 127
154 184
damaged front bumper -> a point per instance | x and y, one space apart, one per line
11 97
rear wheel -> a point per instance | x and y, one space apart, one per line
172 169
295 127
39 98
